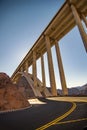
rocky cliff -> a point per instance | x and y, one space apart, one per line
10 96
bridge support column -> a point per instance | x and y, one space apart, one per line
21 68
79 24
50 66
43 71
34 69
26 67
84 19
61 70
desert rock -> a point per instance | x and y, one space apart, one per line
10 96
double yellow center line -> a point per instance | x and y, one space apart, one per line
58 119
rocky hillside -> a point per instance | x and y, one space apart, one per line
80 90
10 96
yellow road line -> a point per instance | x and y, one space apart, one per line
71 121
58 119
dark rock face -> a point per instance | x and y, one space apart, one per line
25 88
10 96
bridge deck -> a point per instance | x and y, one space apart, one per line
60 25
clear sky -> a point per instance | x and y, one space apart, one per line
22 22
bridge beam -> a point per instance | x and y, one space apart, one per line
21 69
34 69
79 24
50 66
61 70
43 71
84 19
26 66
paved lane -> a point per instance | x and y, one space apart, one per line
39 115
34 117
77 120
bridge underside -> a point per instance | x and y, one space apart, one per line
71 14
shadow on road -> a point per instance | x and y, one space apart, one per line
42 99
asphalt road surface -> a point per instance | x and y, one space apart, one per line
39 115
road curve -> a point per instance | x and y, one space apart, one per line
77 120
42 114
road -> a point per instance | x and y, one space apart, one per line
52 115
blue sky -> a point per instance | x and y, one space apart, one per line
22 22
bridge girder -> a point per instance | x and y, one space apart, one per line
70 14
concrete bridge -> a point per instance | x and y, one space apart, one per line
72 13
